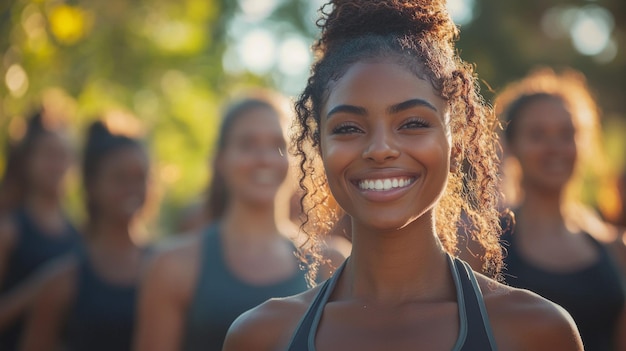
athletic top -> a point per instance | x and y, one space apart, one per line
474 333
593 295
33 248
220 297
102 315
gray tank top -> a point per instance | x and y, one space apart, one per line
475 332
220 297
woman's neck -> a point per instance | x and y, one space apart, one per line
543 201
111 235
249 222
408 264
540 205
541 213
43 204
46 212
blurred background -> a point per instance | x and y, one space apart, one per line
167 67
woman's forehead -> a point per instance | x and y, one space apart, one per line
381 82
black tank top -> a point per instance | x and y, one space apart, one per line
102 316
475 332
220 297
593 295
33 248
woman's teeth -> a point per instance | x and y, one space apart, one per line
384 184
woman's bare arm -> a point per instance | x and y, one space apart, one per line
165 293
8 239
46 318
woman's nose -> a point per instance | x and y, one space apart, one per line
381 146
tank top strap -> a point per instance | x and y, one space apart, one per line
475 332
304 336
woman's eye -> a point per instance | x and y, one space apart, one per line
346 129
415 124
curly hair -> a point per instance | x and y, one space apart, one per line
570 87
419 35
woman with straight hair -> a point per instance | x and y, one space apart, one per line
193 291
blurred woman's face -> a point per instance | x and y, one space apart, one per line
254 163
120 188
545 144
49 160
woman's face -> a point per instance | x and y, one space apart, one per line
385 144
120 188
544 143
253 162
49 160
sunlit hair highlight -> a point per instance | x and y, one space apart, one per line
419 36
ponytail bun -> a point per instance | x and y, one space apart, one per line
100 143
349 19
98 130
97 135
35 123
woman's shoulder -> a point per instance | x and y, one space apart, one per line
174 263
522 319
270 325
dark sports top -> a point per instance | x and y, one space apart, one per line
593 295
102 315
220 297
33 248
474 333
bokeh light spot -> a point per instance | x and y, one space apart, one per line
461 11
257 10
294 56
258 51
591 31
69 24
16 80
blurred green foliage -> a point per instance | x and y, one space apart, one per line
163 62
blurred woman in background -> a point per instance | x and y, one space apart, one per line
193 291
551 126
33 226
89 302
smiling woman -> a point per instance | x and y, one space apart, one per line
88 299
551 249
390 112
194 290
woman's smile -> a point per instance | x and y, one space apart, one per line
384 185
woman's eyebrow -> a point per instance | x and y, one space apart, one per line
361 111
410 104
